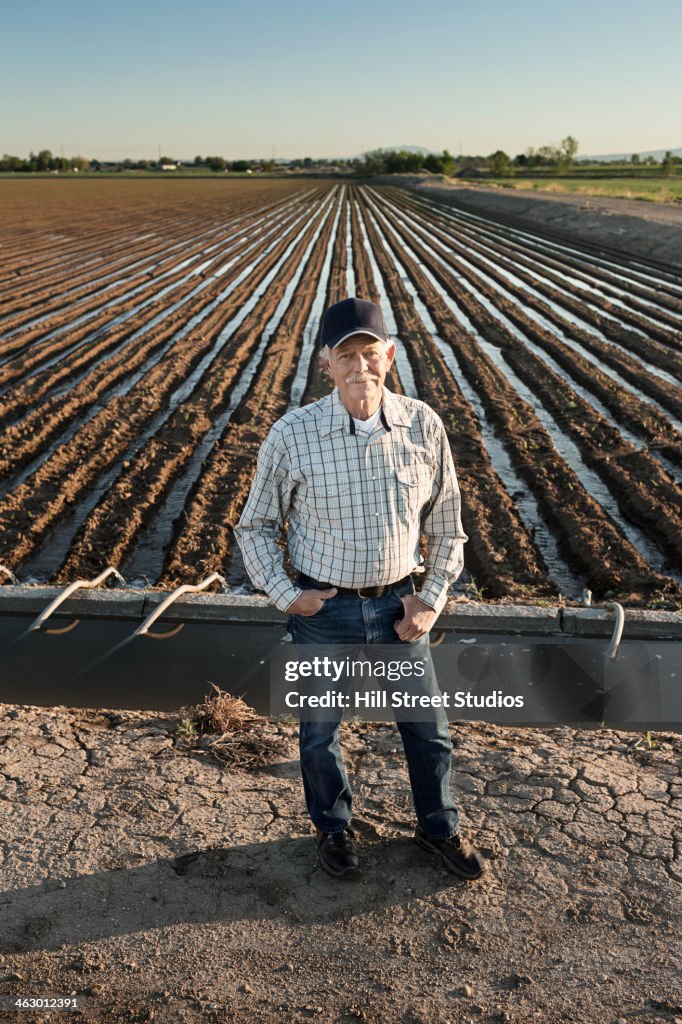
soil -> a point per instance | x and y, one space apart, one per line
636 227
114 300
158 880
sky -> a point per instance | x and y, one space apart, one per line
303 78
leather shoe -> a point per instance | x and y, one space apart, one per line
456 853
337 853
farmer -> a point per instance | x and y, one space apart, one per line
359 475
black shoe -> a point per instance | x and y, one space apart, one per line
337 853
457 855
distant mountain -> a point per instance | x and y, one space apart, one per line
657 154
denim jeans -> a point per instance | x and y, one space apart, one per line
347 620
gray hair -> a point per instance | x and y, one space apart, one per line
325 351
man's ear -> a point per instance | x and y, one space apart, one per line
390 354
325 366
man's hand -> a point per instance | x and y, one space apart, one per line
419 618
310 601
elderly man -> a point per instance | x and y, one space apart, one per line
360 475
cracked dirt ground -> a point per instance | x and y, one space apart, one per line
159 883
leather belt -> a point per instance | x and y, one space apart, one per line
361 592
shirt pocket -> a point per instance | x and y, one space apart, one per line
414 484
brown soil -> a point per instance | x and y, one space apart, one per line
586 532
608 227
156 881
141 486
65 259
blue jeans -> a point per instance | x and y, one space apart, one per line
348 620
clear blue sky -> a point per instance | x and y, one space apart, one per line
220 77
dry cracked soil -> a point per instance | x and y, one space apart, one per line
158 880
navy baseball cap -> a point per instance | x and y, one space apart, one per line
349 317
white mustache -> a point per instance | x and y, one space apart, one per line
360 378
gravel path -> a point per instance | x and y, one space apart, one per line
165 882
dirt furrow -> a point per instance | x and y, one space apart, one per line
646 271
641 417
43 424
137 207
28 512
136 258
116 522
669 308
365 286
317 384
131 298
126 253
500 553
101 283
587 537
214 505
645 493
116 338
649 351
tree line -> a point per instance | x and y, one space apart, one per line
43 161
551 159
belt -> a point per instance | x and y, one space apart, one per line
360 592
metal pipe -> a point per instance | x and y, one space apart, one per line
617 629
186 588
68 591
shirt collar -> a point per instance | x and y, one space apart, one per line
336 416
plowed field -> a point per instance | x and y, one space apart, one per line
153 331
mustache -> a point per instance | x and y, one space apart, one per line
360 378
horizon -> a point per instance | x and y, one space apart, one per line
186 160
136 82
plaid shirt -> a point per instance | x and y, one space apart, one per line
356 502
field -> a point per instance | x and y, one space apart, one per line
153 331
653 190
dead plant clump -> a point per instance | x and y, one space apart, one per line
221 712
226 725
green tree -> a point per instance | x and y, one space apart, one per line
11 163
668 163
44 160
500 163
566 153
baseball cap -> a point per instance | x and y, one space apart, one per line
349 317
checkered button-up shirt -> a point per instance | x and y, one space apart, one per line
356 502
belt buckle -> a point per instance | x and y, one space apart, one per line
379 592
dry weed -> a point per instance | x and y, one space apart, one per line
224 725
222 713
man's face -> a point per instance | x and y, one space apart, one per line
358 367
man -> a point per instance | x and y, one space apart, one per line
359 475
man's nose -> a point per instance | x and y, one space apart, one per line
360 364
